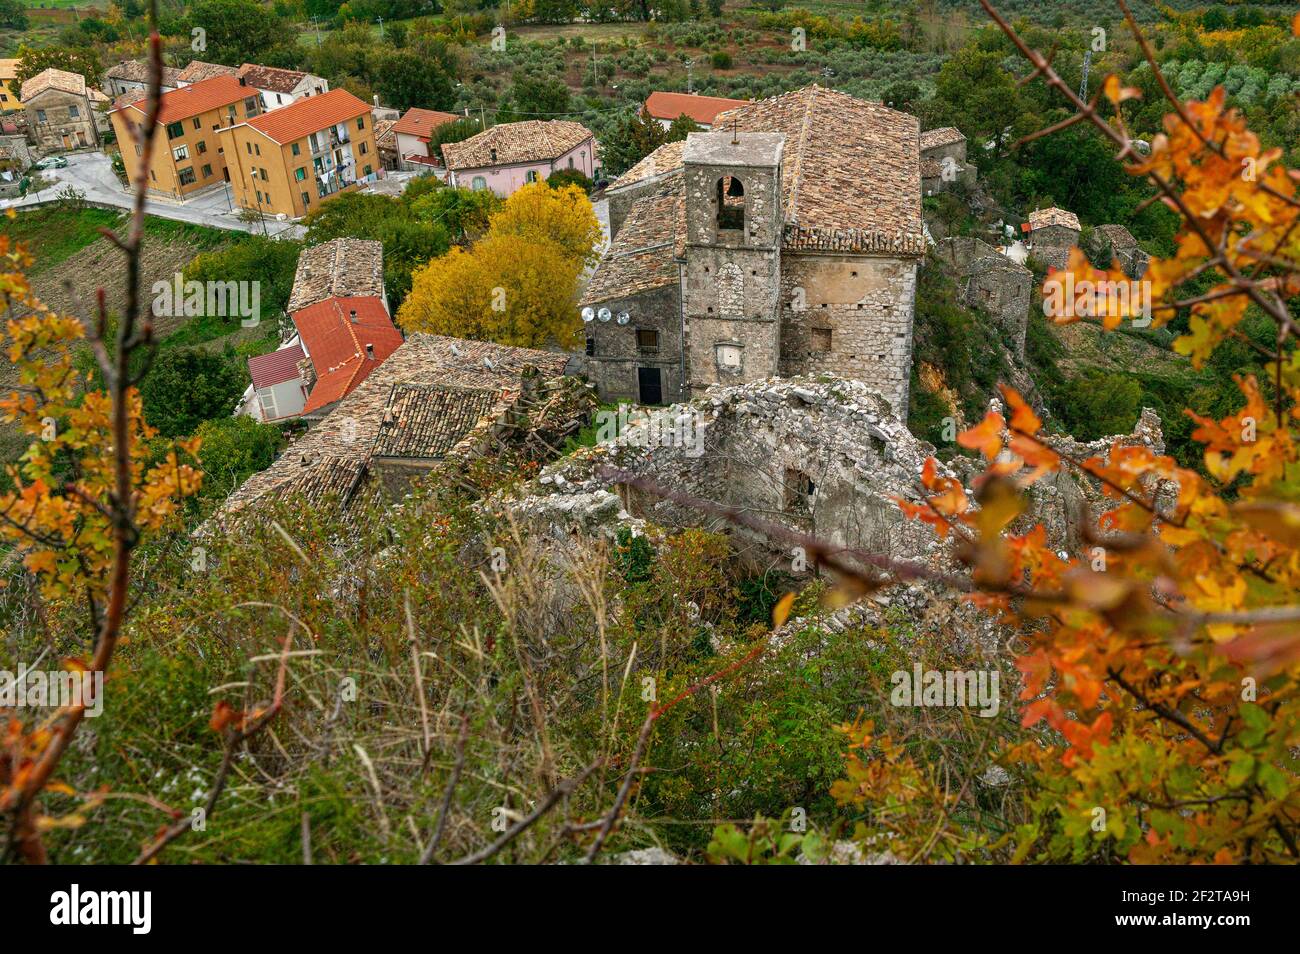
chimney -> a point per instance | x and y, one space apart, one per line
243 81
376 101
494 154
370 351
353 315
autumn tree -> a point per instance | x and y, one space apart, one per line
561 216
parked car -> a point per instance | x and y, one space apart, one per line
52 162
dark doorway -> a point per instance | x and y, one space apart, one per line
649 386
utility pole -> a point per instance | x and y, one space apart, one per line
690 87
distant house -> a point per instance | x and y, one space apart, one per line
1052 233
412 134
287 161
665 107
506 157
386 142
279 87
197 71
60 110
943 160
8 98
340 312
132 76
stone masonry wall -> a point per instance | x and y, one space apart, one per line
618 355
866 304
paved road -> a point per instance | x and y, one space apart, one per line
92 173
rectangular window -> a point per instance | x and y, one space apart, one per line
295 149
264 175
187 175
361 122
231 107
202 146
73 112
368 170
207 172
175 129
137 150
259 196
198 123
250 106
365 148
40 115
591 346
266 397
249 147
306 199
821 339
257 149
181 152
300 173
647 339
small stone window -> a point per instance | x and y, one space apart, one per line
591 346
647 339
799 490
821 339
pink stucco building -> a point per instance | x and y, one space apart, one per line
510 155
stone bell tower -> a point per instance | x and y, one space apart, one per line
731 287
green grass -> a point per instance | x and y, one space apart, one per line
201 236
53 235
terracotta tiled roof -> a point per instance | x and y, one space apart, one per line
271 78
944 136
1118 236
666 158
61 80
8 69
137 71
931 169
507 143
268 370
198 71
195 99
333 455
427 420
421 122
339 268
306 116
346 339
644 253
850 169
702 109
1041 218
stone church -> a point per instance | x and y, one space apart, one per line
786 241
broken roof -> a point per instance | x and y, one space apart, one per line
944 136
311 114
339 268
271 78
332 456
137 71
425 421
61 80
507 143
1042 218
702 109
644 253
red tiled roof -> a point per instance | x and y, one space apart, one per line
337 344
306 116
421 122
702 109
195 99
275 368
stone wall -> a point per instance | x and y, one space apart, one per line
992 283
617 354
57 106
862 307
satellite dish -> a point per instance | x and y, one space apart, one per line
624 317
588 313
604 314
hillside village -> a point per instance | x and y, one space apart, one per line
622 431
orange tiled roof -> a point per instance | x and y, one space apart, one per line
195 99
306 116
702 109
421 122
337 344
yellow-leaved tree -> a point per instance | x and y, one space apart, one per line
518 284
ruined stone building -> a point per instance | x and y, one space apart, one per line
943 160
1115 243
991 282
784 242
60 111
1052 233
